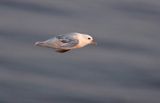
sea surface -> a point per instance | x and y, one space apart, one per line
123 68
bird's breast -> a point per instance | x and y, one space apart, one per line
80 45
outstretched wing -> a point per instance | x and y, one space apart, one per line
67 41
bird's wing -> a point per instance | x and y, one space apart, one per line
68 42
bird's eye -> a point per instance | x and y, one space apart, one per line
89 38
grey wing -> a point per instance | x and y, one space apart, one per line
68 42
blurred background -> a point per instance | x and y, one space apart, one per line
123 68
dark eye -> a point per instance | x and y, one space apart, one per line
89 38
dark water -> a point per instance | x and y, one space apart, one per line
123 68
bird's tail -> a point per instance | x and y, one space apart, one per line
39 43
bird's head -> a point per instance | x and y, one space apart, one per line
89 39
85 39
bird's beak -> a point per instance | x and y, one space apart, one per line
94 42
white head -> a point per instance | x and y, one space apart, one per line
85 39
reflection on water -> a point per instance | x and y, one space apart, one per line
123 68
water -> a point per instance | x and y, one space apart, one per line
123 68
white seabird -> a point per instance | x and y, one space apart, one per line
66 42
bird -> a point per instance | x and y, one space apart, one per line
66 42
